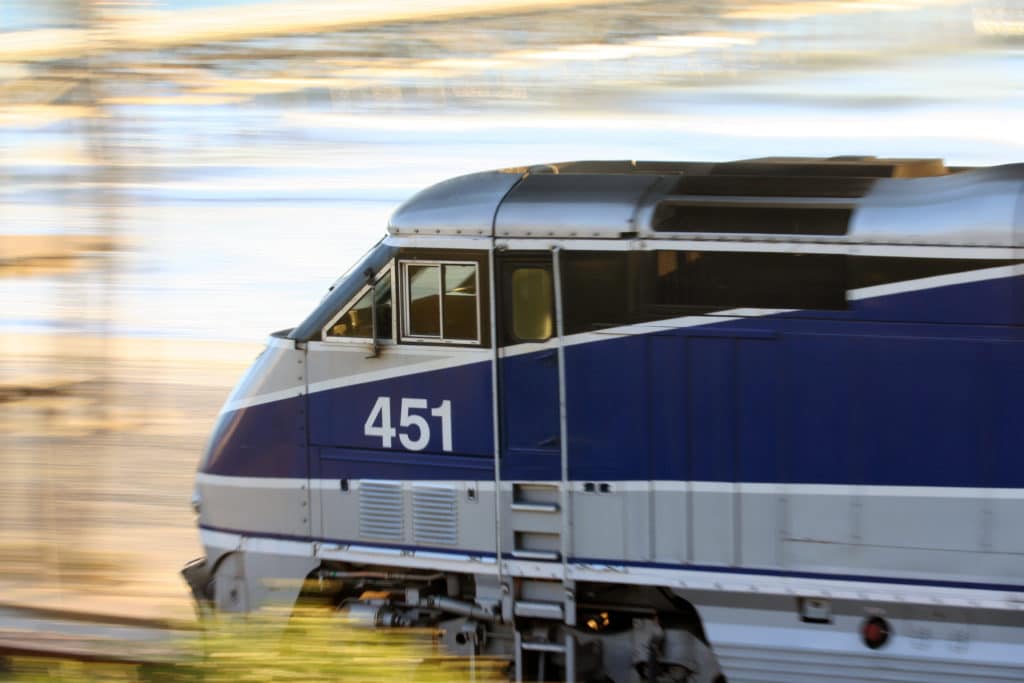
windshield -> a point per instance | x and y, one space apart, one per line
343 289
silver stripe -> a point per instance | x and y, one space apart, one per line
611 573
453 359
486 486
438 241
746 244
935 282
254 482
777 584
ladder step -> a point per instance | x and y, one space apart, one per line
542 555
539 610
542 647
543 493
535 507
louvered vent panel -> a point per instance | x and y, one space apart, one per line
771 186
710 216
380 510
434 515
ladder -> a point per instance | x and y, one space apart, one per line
541 525
547 597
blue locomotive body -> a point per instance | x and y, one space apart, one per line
777 399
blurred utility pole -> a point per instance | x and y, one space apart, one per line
102 142
76 472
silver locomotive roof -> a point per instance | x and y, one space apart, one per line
839 199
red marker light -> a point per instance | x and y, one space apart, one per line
875 632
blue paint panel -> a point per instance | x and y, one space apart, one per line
267 440
712 401
1005 436
338 416
759 420
338 463
531 433
608 413
666 382
922 410
819 402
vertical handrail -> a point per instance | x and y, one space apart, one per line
495 407
556 273
568 604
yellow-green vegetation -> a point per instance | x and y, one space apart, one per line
316 645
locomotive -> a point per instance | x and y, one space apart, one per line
614 420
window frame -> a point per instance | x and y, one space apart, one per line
405 302
387 271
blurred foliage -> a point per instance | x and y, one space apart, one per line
316 645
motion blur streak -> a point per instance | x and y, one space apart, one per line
132 29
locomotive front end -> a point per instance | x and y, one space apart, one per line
253 476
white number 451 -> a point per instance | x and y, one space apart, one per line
415 429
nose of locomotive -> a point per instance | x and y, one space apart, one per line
252 440
255 432
220 439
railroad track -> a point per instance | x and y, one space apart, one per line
87 637
42 643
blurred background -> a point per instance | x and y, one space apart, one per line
180 178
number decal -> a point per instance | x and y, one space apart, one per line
415 434
381 410
415 421
444 411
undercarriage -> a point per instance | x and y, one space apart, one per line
545 629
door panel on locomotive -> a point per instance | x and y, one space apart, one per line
694 412
528 381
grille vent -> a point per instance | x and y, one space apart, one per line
835 167
381 510
434 515
676 216
772 186
780 196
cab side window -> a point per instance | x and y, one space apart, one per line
442 302
356 321
532 317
